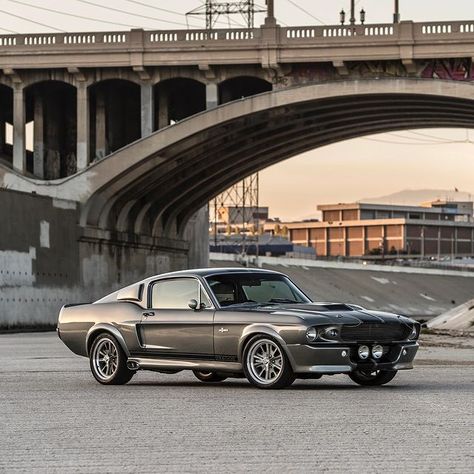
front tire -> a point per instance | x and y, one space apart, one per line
266 364
370 379
208 376
108 361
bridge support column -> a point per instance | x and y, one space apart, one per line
100 126
2 135
147 109
19 150
83 119
212 96
38 137
163 112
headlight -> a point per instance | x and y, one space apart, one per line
331 332
363 352
377 351
414 332
311 334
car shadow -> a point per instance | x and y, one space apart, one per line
244 385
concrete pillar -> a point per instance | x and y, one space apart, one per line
38 136
2 135
212 96
198 237
163 114
83 128
100 126
53 121
147 109
19 150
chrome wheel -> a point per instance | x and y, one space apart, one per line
265 361
105 359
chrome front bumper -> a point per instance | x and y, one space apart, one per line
313 359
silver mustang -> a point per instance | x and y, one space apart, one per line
223 323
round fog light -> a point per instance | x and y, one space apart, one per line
311 334
363 352
344 353
377 351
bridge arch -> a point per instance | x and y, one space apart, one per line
6 117
154 186
50 106
114 111
239 87
178 98
173 173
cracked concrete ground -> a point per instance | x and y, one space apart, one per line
55 418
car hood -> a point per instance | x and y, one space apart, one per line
323 313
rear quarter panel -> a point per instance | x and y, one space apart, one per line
78 324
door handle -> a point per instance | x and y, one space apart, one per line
150 313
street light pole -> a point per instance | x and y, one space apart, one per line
353 13
270 9
396 15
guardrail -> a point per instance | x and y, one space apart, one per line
309 34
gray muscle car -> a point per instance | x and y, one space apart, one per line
223 323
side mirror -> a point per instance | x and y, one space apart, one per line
193 304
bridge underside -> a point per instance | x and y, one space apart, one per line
160 194
136 210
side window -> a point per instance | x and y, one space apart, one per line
174 294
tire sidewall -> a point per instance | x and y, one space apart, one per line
286 376
122 374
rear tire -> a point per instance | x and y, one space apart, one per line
208 376
370 379
266 364
108 361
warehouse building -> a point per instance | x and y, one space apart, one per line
436 229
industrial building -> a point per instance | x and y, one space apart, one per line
436 229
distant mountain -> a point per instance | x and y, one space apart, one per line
414 197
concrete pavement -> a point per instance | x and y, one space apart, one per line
56 418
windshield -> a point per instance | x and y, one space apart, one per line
254 288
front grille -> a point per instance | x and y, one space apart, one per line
376 332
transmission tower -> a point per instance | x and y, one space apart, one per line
236 213
239 203
213 9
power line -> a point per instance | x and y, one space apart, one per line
428 136
98 5
416 144
306 11
424 140
50 10
10 31
31 21
153 7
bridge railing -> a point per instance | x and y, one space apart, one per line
169 38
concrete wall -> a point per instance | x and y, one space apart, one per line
47 260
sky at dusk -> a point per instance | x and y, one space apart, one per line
361 168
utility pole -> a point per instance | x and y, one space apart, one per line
396 15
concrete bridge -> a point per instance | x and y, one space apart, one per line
134 132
